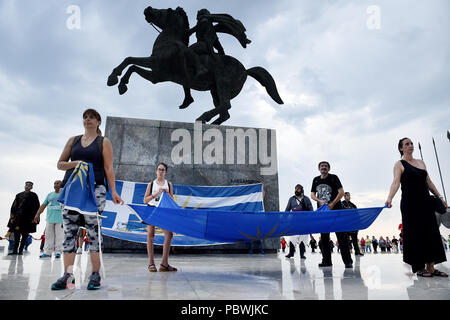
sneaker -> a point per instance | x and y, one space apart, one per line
45 256
66 281
94 281
79 251
58 255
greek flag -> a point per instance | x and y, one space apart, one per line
230 226
122 223
78 194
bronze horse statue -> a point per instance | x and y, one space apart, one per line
169 61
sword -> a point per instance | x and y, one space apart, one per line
439 167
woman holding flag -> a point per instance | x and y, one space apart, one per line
94 149
152 196
422 246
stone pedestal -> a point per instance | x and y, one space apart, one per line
196 155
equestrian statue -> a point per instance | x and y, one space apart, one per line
198 66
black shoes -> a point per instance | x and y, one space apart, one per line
349 265
325 264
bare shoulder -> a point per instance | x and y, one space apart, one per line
107 143
71 139
69 142
398 164
421 164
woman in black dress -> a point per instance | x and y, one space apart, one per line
422 248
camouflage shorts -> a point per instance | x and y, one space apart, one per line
72 221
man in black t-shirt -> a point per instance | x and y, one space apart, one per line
327 189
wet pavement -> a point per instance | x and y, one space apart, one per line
223 276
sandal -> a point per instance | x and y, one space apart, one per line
164 268
438 273
424 273
152 268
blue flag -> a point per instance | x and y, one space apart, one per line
122 223
78 193
231 226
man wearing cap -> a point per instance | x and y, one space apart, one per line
298 202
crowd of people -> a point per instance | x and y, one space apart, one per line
362 246
66 230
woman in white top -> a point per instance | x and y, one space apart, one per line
152 195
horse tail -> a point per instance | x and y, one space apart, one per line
266 80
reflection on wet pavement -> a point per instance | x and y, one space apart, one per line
227 276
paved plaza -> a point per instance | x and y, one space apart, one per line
223 277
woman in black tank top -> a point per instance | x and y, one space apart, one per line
88 149
422 244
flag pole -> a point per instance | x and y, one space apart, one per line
439 167
420 149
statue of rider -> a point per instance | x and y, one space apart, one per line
207 40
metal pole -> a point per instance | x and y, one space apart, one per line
439 167
420 149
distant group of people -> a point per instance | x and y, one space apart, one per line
360 247
365 245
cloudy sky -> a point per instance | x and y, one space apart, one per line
355 76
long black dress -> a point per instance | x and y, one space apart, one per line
421 237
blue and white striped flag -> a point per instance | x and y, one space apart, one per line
122 223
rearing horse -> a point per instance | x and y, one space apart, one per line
168 62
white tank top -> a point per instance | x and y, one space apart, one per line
155 189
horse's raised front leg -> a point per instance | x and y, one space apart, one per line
146 74
113 78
